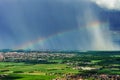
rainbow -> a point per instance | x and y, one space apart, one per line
41 41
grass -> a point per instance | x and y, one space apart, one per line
32 77
34 72
95 61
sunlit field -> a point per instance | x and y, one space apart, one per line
21 71
63 66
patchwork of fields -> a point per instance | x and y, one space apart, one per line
22 71
62 66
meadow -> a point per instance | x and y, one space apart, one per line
50 66
23 71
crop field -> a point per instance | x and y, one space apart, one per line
22 71
62 66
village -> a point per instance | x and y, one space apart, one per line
77 66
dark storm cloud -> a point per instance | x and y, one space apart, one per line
23 21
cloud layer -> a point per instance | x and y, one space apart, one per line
109 4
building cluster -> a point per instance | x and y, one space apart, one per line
21 56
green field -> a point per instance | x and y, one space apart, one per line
52 66
22 71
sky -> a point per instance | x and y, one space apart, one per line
108 4
60 24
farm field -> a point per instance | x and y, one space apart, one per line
22 71
62 66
